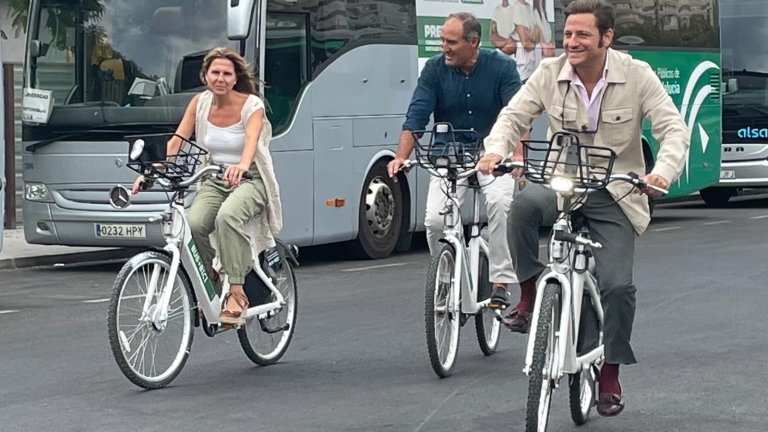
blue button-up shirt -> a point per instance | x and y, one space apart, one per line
467 101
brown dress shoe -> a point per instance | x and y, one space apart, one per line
518 321
610 404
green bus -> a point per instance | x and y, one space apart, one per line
680 39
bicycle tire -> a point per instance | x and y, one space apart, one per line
118 339
576 383
549 312
253 325
443 368
488 340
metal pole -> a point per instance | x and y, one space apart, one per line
10 145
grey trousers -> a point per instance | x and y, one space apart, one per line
536 206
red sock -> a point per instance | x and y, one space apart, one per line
527 295
609 379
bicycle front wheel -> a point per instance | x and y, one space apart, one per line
265 341
488 328
150 348
541 380
442 315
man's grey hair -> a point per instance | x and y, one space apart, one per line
470 26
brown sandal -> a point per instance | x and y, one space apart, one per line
232 316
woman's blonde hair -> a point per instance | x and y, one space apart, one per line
245 81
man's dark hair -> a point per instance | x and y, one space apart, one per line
470 26
602 11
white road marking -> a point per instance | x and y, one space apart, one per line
543 246
759 217
374 267
666 229
9 311
96 301
717 222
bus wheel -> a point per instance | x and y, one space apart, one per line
717 196
380 216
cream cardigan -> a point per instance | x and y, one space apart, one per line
263 229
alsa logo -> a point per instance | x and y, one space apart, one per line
753 133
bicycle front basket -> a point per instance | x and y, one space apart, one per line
448 148
588 166
147 156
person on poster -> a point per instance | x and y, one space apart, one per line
514 32
546 46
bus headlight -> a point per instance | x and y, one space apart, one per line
37 192
562 185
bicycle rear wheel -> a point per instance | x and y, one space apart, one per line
265 341
150 352
541 382
488 328
581 395
442 316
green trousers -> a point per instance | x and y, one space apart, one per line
224 211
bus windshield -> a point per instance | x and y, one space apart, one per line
121 54
745 71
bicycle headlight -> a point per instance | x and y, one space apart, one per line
561 184
442 162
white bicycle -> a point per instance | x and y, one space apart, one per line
458 285
159 296
554 334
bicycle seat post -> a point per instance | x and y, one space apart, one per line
475 231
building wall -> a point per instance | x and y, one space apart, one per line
13 53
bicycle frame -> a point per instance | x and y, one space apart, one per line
467 265
573 276
181 246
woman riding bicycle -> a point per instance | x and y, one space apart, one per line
229 122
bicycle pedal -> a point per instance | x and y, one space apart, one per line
271 330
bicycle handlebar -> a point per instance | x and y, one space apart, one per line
632 178
217 169
500 168
508 166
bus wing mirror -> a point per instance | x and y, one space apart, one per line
38 49
239 14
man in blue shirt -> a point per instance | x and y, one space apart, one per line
467 87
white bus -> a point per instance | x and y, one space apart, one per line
2 154
339 75
745 100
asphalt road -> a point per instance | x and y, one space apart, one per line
358 361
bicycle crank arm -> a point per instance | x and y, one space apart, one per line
497 312
270 330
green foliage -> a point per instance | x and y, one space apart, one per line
62 14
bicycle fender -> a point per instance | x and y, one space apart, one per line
287 252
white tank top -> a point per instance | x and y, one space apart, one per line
225 144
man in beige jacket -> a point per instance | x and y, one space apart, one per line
603 96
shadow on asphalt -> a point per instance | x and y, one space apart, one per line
741 202
337 252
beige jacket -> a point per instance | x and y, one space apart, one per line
632 92
263 228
